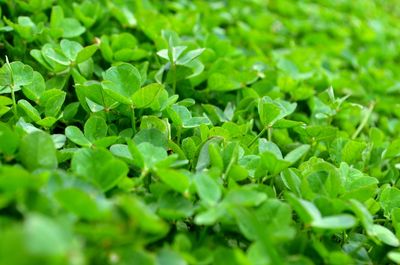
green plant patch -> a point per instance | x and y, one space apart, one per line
246 132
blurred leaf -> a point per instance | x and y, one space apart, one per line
37 151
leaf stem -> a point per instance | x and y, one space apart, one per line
173 77
15 110
269 133
133 119
258 136
364 121
143 174
178 134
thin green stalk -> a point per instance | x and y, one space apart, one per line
257 136
143 174
173 78
15 109
269 133
133 119
178 134
364 121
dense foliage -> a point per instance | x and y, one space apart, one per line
199 132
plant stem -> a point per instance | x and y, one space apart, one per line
364 121
173 78
144 173
269 133
133 119
258 136
178 134
15 110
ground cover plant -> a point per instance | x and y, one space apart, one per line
199 132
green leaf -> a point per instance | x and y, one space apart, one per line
71 28
220 82
29 110
37 151
121 82
384 235
170 257
86 53
389 199
189 56
294 155
244 197
247 222
99 166
44 236
337 222
182 117
70 49
145 96
54 100
78 202
153 136
272 110
54 57
172 54
134 154
142 214
352 151
34 90
47 122
394 256
363 214
149 153
14 179
273 164
393 150
15 74
176 180
174 206
209 217
111 173
95 128
292 181
105 141
268 113
207 188
9 140
306 210
268 146
75 135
